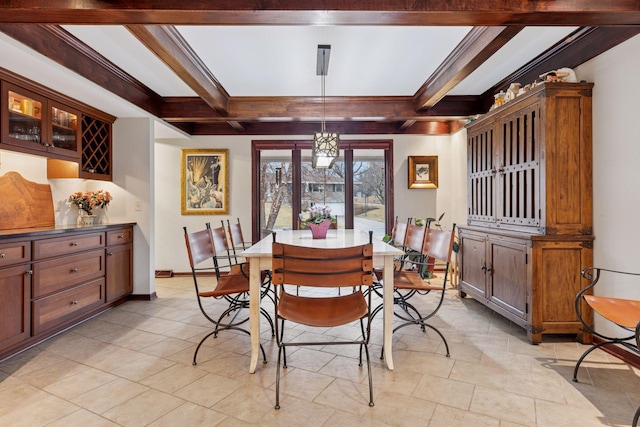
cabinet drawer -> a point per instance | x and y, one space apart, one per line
64 306
61 273
47 248
117 237
14 253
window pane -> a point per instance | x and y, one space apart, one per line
275 190
323 186
369 191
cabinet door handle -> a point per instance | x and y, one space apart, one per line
109 253
489 269
30 272
483 267
2 255
120 236
74 270
74 302
74 244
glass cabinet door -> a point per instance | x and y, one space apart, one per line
24 125
36 124
64 137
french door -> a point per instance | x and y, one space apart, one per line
358 188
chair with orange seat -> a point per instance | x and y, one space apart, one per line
231 285
412 257
624 313
409 283
306 267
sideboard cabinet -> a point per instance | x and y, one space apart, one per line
529 226
52 280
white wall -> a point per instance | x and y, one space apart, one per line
133 169
170 251
616 175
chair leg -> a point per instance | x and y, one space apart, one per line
585 354
366 351
268 317
195 355
636 417
277 406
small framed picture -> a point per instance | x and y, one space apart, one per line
204 181
423 171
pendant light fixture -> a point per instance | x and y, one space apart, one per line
325 145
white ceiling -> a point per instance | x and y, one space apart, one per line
281 60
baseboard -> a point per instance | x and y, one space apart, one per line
143 297
621 353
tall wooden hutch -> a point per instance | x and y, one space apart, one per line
529 227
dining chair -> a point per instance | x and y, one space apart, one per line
415 281
623 313
410 260
231 285
322 268
227 261
236 238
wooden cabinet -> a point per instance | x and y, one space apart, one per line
495 271
15 293
33 123
529 230
119 263
51 280
75 138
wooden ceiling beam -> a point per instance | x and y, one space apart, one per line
325 12
476 47
62 47
432 127
172 49
356 108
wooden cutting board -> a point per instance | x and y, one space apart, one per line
24 204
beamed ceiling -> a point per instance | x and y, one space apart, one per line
248 67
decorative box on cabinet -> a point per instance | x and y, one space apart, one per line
530 208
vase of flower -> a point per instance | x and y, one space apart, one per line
86 202
318 219
319 231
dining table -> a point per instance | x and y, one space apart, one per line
259 257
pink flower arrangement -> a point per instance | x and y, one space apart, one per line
316 214
89 200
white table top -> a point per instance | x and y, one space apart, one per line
335 239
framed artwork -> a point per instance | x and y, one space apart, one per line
204 181
423 171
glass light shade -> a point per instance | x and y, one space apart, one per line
325 150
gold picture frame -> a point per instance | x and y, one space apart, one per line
204 181
423 171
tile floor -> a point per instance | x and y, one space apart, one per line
131 366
